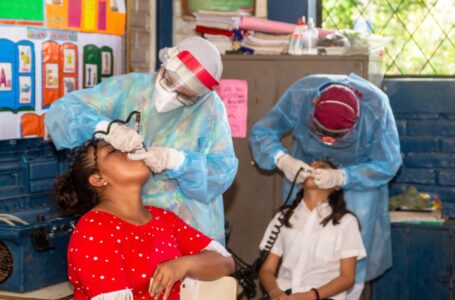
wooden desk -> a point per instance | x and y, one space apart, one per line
61 291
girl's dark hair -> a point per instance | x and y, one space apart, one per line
72 191
336 202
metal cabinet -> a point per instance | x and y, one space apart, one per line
255 195
422 264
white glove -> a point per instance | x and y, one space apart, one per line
290 166
120 137
328 178
159 158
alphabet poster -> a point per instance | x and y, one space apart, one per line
40 65
6 77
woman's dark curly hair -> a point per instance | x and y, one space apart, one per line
336 202
72 190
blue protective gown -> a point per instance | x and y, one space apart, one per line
370 156
201 131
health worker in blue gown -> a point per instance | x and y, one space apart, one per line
184 128
350 121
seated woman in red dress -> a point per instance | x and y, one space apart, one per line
119 245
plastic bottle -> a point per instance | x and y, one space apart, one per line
310 38
296 38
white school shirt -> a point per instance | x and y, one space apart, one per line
311 253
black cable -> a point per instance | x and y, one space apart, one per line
246 273
128 119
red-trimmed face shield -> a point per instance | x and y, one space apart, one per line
184 75
336 111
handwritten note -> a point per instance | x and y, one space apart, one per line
234 94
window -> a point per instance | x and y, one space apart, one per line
423 31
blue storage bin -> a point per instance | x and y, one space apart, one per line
31 256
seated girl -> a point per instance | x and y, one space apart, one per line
119 245
316 251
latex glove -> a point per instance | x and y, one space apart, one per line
121 137
159 158
328 178
290 166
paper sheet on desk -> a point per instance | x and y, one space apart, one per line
234 94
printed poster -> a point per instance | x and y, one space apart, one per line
106 63
26 75
91 73
51 76
69 60
25 89
69 85
25 59
6 77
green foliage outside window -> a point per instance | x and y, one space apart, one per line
423 31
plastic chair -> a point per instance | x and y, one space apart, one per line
224 288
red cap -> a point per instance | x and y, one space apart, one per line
337 108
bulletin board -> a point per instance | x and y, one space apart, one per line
39 65
191 6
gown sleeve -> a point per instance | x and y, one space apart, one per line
208 172
72 119
265 136
384 157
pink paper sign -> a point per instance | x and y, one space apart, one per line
234 94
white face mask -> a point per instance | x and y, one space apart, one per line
164 101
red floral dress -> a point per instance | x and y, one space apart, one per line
111 258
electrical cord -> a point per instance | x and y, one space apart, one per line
246 273
10 219
7 221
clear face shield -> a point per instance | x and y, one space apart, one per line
329 136
185 76
182 82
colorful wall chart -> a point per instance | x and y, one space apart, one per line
102 16
17 75
38 66
98 64
22 12
59 70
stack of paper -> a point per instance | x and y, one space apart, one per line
219 20
217 27
264 43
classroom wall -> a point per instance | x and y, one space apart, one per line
425 113
141 36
